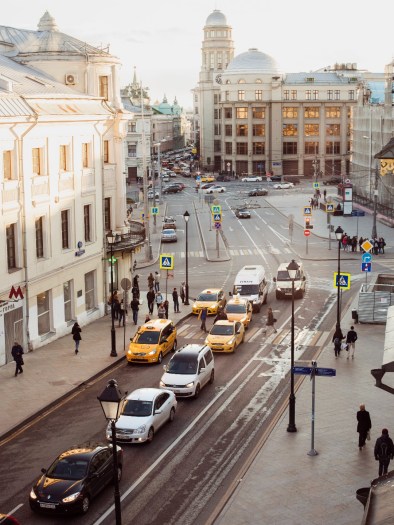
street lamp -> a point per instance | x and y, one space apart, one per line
111 402
110 240
186 216
292 270
339 235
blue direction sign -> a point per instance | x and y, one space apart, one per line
366 267
366 258
326 372
217 217
307 210
302 370
307 371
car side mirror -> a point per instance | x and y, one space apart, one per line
158 411
164 340
238 332
201 369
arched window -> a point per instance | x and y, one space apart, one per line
241 81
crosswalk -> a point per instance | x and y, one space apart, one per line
235 252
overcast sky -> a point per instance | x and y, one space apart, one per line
163 38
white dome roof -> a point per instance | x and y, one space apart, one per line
216 18
253 61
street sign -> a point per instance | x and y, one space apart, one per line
366 267
366 257
302 370
198 178
218 225
166 261
307 210
307 370
216 209
344 281
367 246
154 211
316 185
329 207
217 217
307 233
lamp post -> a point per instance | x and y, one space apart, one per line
111 403
339 235
186 216
291 427
110 240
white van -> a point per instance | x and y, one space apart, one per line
283 282
250 283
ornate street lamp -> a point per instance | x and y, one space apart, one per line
339 235
292 270
186 216
110 240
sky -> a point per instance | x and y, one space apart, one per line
162 39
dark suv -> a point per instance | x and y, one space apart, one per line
332 181
173 188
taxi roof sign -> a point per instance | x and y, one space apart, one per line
367 246
166 261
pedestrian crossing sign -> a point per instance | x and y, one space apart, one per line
166 261
316 185
217 217
329 207
307 210
216 209
343 281
154 211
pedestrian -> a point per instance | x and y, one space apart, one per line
364 426
382 244
271 319
337 340
325 195
76 333
158 299
150 297
151 280
351 338
220 316
166 305
203 317
161 311
384 450
135 306
122 313
157 281
135 281
114 300
176 300
17 354
183 292
360 241
135 292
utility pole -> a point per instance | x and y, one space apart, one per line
148 246
375 203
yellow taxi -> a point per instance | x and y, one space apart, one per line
152 341
225 336
238 309
212 299
207 178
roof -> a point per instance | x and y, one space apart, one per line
14 106
147 394
324 77
216 18
191 349
253 61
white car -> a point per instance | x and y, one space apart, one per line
252 179
283 186
144 411
215 189
150 194
168 235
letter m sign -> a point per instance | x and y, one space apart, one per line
15 293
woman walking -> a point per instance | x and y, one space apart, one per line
271 319
76 333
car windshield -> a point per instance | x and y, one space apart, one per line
147 337
246 289
283 275
235 309
168 232
182 364
207 297
137 408
219 329
68 468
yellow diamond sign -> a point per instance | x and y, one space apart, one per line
367 246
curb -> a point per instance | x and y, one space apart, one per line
221 259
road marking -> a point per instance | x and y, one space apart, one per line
256 227
255 335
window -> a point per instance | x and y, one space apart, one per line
258 148
242 130
106 151
332 147
132 126
241 94
315 94
289 130
216 98
40 238
65 217
337 95
131 149
103 87
241 81
218 129
242 112
67 297
63 157
311 112
258 112
258 130
86 222
308 94
7 164
333 130
333 112
217 146
311 130
242 148
290 148
293 94
37 161
330 94
229 148
227 96
85 155
107 214
43 313
351 94
289 112
228 113
90 295
228 130
11 246
217 113
286 94
311 148
258 94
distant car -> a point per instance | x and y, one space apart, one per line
75 477
168 235
258 192
252 179
180 185
165 177
207 185
215 189
207 178
243 214
283 186
150 194
332 181
169 223
6 519
171 174
290 178
172 188
274 178
223 178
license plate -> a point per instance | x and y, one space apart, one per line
177 391
48 505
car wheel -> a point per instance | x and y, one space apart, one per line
197 391
212 377
151 433
173 349
172 415
160 358
85 503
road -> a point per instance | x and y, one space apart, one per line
185 474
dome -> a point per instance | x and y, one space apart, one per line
253 61
216 18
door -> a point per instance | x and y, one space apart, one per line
160 404
13 328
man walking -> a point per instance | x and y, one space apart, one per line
384 450
203 317
351 339
157 281
363 425
17 354
176 300
150 297
135 306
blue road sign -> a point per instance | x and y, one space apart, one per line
366 257
366 267
326 372
307 210
329 208
302 370
307 370
217 217
154 211
166 261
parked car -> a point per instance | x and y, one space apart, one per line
165 177
179 185
75 477
258 192
223 178
243 213
332 181
290 178
274 178
283 186
172 188
150 194
215 189
144 411
207 185
168 235
252 178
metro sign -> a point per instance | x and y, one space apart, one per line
15 293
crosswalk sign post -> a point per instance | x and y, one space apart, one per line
166 261
342 280
154 210
216 209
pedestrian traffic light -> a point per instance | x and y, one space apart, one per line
308 225
112 260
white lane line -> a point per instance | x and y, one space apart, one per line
256 228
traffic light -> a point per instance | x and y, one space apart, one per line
308 225
113 261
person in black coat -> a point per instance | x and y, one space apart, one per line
363 426
17 354
76 333
135 306
384 450
337 340
150 297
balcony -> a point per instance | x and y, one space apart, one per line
10 194
128 238
66 181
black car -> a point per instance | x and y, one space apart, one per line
223 178
74 478
173 188
257 192
332 181
243 214
275 178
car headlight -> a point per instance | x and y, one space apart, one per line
231 341
189 385
71 498
152 352
140 430
33 495
162 384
